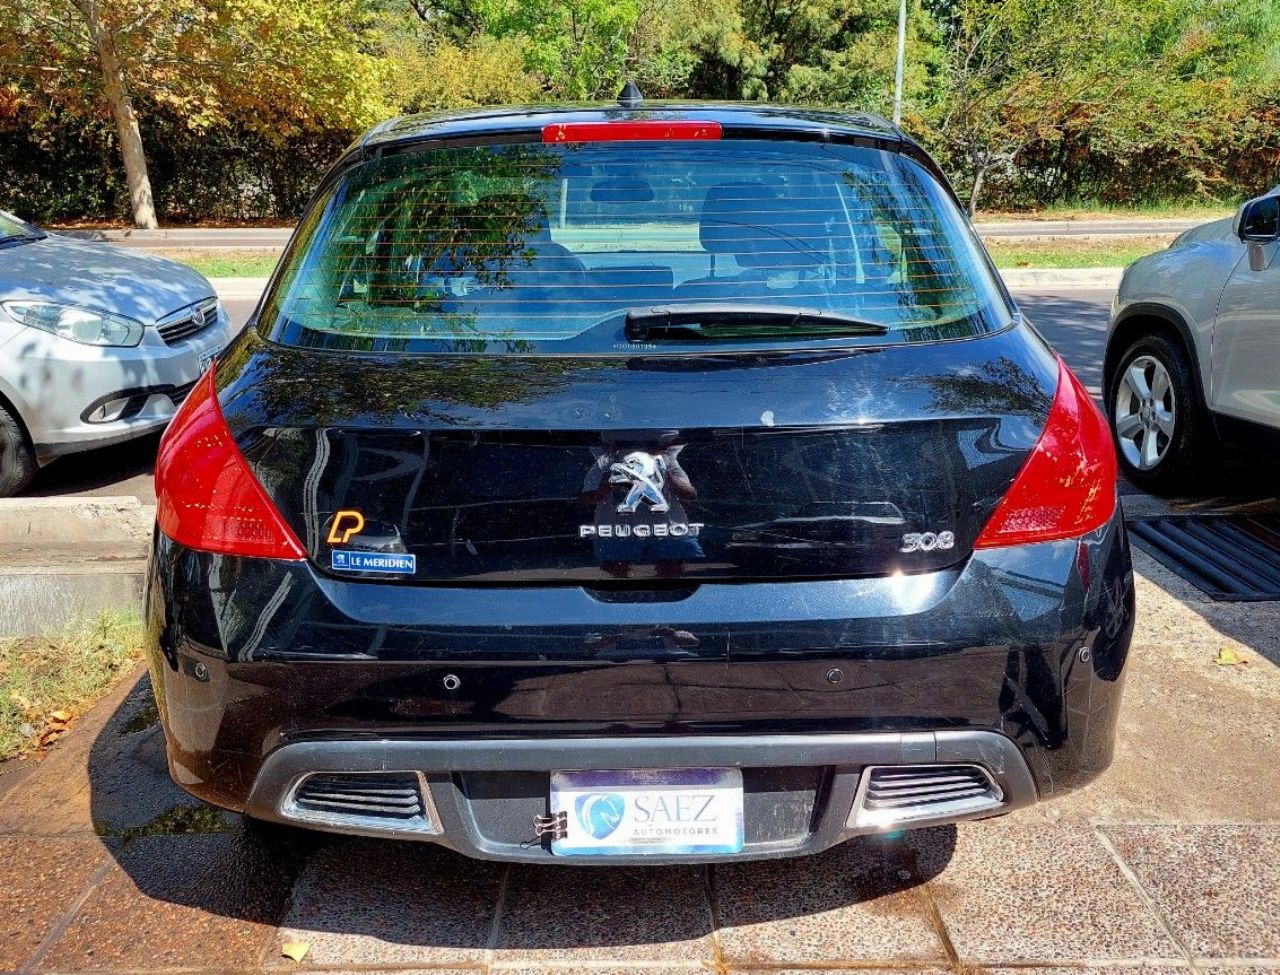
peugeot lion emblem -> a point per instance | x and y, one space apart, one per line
646 475
656 489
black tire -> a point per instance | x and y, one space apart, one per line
1187 454
17 459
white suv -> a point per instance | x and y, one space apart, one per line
1193 352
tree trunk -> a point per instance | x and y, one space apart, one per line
117 95
975 188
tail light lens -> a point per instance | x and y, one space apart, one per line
206 496
1067 487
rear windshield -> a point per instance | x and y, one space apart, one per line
545 249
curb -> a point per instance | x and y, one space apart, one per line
250 289
239 289
68 558
28 522
1068 278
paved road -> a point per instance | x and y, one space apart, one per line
245 238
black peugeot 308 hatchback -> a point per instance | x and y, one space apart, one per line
633 484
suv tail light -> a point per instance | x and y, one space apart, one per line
206 496
1067 487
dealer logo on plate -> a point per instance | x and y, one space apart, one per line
600 813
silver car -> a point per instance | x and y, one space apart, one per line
97 345
1193 353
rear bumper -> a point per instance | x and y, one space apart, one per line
482 796
268 670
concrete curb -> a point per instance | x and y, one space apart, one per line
1017 278
1067 278
31 522
68 558
239 289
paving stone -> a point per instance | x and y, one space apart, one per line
1015 893
39 882
56 798
1166 968
370 902
179 901
1218 886
622 968
855 902
862 970
564 913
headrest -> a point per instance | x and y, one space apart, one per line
760 226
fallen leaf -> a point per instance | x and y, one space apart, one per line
1228 658
295 950
60 717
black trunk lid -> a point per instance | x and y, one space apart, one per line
643 470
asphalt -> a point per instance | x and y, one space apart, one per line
1074 322
247 238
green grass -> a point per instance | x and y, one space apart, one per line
47 682
1095 210
227 264
1068 252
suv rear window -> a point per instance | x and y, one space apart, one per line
544 249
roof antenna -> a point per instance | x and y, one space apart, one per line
630 96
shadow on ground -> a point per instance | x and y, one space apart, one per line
421 902
116 469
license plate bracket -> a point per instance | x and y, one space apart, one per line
207 358
648 812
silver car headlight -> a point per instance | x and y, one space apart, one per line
85 325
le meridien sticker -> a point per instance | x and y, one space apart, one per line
389 563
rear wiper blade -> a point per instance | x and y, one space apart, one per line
732 319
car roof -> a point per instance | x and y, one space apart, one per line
737 118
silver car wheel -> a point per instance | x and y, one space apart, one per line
1145 412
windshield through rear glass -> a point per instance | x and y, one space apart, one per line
516 249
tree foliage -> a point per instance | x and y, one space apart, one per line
1025 102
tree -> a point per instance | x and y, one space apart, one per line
275 66
1017 70
1026 75
115 90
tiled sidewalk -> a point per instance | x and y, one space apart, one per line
106 866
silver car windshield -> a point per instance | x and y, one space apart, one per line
12 228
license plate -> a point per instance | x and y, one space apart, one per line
206 360
652 811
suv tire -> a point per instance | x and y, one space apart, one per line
1158 421
17 459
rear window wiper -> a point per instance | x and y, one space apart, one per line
727 320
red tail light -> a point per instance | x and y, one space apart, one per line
647 130
1067 487
206 496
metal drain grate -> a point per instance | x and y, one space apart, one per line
1232 558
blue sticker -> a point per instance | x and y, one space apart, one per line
391 563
